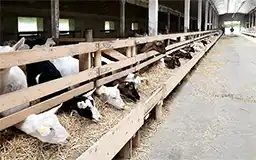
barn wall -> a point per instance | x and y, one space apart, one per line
87 14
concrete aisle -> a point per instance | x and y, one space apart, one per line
213 115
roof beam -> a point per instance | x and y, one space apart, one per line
214 7
162 8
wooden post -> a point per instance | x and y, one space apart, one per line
199 18
210 17
136 140
168 22
158 110
179 22
122 18
206 15
186 15
97 58
85 59
126 152
153 17
55 18
129 52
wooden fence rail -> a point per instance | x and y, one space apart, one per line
91 75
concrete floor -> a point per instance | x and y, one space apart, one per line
213 114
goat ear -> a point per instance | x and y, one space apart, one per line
54 110
89 93
19 44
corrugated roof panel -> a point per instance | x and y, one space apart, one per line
233 6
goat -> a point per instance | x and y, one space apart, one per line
111 95
12 79
171 62
134 78
44 126
41 72
127 89
84 105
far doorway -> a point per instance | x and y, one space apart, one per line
229 24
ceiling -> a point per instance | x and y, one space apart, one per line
234 6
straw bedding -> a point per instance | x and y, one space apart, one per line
14 144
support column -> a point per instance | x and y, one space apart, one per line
199 15
122 18
168 22
186 15
206 15
55 14
179 22
249 20
254 18
153 17
210 17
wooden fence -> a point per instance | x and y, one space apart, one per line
89 74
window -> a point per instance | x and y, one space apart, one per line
66 24
30 24
134 26
109 25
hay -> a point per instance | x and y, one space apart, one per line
15 144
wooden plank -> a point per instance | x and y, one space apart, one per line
38 54
21 115
150 103
116 65
72 40
113 77
117 137
115 54
16 98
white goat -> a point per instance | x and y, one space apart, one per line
45 126
12 79
136 79
111 95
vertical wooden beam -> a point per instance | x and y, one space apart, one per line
136 140
158 110
126 151
129 51
249 20
179 22
168 22
55 18
153 17
254 18
85 59
186 15
122 18
206 15
210 17
199 15
97 58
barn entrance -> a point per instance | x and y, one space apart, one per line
229 24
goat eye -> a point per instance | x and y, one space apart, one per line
51 129
130 87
